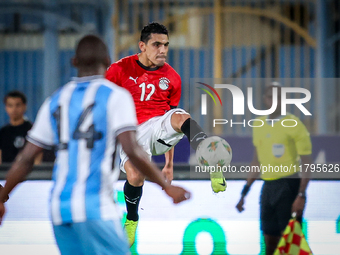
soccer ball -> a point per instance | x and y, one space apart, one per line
214 151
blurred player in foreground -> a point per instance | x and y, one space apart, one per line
84 120
283 192
156 90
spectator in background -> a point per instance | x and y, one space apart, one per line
12 135
283 192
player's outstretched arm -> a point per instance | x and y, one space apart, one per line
141 161
21 167
252 176
5 200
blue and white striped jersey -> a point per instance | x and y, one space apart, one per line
83 119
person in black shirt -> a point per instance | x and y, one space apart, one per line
12 135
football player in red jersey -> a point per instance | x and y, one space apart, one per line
156 89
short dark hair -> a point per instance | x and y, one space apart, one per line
152 28
16 94
91 51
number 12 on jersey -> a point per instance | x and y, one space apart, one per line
149 86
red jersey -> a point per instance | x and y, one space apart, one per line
153 90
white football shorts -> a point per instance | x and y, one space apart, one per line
156 136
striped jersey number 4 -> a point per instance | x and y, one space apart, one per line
151 89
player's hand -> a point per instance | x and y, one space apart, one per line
240 204
298 205
168 172
178 194
7 197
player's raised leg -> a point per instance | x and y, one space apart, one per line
182 122
133 190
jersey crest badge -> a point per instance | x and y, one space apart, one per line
19 142
278 150
164 83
